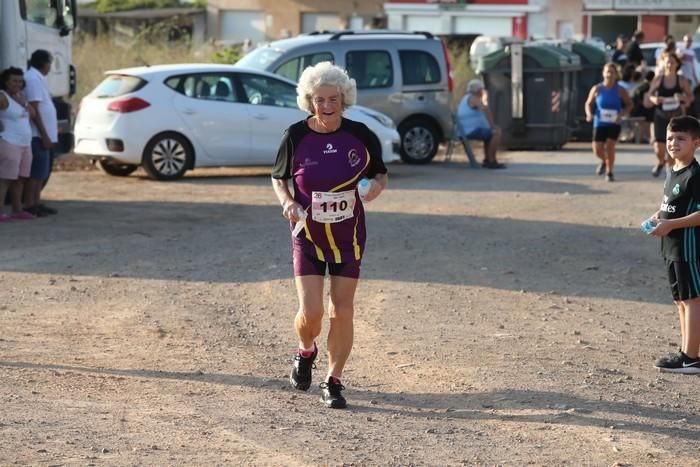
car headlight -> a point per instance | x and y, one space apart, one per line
384 120
381 118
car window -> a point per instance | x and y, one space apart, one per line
418 67
209 86
261 90
260 58
370 68
293 68
118 85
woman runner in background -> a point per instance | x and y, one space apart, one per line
669 94
607 103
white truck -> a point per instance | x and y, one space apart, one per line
27 25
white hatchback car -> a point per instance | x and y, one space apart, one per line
172 118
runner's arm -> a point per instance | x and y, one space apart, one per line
290 208
589 103
380 183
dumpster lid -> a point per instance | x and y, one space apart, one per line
572 59
589 54
547 57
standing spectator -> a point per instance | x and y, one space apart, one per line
669 44
44 130
630 78
669 47
634 52
15 141
689 62
619 57
247 46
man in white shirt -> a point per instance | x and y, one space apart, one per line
44 130
689 62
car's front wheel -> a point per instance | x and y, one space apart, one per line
419 141
114 168
167 156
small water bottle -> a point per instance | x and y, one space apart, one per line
299 226
363 188
649 225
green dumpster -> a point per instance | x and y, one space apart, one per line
570 92
592 62
545 92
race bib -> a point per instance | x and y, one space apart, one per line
329 208
608 116
670 103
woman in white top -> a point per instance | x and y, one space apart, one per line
15 142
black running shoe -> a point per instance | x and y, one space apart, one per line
331 396
600 170
679 363
300 376
46 209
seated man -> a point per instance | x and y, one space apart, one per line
477 123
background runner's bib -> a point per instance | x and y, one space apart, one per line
608 115
670 103
329 208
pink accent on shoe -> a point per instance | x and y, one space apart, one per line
22 215
4 217
307 353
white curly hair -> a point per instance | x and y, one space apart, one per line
322 74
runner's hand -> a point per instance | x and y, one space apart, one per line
291 209
374 190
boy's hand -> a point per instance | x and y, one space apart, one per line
662 229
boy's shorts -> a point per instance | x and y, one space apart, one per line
684 279
305 265
41 160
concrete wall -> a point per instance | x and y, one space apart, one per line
283 17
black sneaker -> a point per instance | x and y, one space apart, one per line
679 363
331 396
601 169
46 209
300 377
670 360
610 177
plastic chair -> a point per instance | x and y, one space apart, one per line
458 135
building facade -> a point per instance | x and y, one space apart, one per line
608 18
266 20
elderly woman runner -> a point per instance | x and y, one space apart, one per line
326 156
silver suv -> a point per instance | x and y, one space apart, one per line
407 76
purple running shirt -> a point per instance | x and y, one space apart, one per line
329 165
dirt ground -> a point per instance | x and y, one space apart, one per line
504 317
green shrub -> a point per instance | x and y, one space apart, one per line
109 6
226 55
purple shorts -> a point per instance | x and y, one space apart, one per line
306 265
